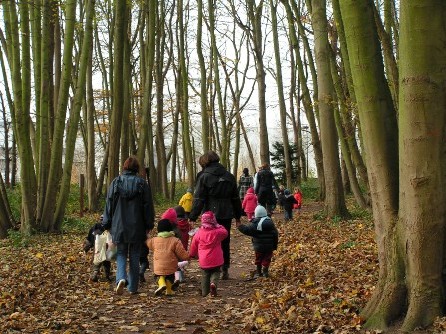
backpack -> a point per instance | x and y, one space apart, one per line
222 187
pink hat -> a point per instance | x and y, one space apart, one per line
170 214
208 218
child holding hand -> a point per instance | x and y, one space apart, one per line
206 244
265 238
167 251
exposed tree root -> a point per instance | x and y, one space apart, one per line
421 313
386 307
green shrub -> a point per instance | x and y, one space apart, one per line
310 189
18 239
15 199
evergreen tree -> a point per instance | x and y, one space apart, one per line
278 162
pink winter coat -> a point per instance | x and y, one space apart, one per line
206 244
249 201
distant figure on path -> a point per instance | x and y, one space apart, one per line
265 182
249 203
246 181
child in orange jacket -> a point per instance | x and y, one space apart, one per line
167 251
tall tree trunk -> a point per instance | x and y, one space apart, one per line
21 120
120 31
334 196
422 187
93 201
203 82
78 99
160 109
182 96
307 102
281 95
255 18
379 129
224 136
51 181
351 171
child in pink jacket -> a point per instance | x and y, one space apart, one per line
249 203
206 244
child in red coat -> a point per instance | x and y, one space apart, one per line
298 197
249 203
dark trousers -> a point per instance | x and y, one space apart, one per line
207 276
263 258
225 244
143 260
107 268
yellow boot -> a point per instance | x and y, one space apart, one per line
169 291
161 285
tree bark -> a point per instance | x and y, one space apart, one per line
422 124
379 129
334 196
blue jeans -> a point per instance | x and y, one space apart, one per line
132 252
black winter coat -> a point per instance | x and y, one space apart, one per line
264 241
264 187
129 209
287 201
216 191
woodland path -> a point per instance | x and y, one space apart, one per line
187 311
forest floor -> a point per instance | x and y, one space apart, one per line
321 276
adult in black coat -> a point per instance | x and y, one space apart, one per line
264 184
216 191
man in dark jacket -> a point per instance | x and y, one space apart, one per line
264 184
130 214
216 191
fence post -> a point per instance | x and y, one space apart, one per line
81 195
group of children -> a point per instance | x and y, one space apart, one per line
170 246
285 199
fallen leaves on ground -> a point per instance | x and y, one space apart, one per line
322 275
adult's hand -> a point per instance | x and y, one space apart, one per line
237 222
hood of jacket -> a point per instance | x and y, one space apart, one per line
250 190
267 224
128 185
215 168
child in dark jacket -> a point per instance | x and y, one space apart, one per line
97 229
265 238
288 202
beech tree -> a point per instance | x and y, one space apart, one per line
405 159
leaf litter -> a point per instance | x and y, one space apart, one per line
321 276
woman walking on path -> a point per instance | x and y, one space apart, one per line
265 182
246 181
130 214
216 191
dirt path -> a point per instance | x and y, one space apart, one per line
187 311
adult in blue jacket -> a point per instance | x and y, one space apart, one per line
129 215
